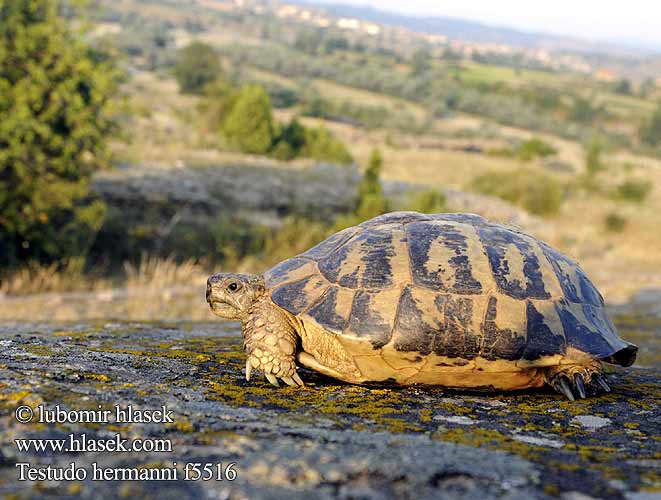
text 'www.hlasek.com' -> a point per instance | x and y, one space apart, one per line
105 441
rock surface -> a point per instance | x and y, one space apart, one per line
263 194
327 440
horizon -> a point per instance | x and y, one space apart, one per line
637 30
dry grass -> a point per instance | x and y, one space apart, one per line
153 273
40 278
149 274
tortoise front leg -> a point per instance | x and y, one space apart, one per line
270 342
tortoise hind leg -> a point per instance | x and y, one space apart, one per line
577 380
311 362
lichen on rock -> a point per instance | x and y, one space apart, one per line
329 440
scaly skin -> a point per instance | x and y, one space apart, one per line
270 342
577 380
269 331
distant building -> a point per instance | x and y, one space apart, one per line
348 23
287 11
371 29
605 75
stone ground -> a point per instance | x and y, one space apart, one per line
327 440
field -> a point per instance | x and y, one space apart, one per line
615 237
621 262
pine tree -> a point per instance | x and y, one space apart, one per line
55 98
371 201
198 65
249 123
650 132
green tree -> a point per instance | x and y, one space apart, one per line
535 191
535 147
321 145
371 201
583 110
198 65
421 62
56 97
290 141
623 87
429 201
249 123
593 162
650 132
646 87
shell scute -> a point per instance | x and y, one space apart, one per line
515 266
372 316
330 244
575 284
464 218
504 329
373 259
296 296
544 332
458 337
417 323
332 309
289 270
395 218
440 258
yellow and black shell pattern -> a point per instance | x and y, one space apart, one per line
455 285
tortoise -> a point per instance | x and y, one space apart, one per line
446 299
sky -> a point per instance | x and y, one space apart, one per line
632 22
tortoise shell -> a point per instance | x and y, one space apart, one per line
454 285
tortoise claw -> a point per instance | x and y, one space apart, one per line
297 379
599 378
288 381
248 369
271 378
561 384
579 385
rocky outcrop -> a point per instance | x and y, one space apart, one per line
262 194
327 440
265 193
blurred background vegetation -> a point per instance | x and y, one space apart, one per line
152 141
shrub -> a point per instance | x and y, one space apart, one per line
290 141
370 201
283 151
430 201
533 148
650 131
583 110
623 87
198 65
249 123
615 222
538 193
56 97
321 145
593 163
634 190
421 62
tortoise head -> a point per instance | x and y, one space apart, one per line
231 295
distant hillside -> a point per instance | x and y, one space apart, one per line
462 29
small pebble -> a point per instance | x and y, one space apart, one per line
590 422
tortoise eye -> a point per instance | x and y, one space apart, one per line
233 287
